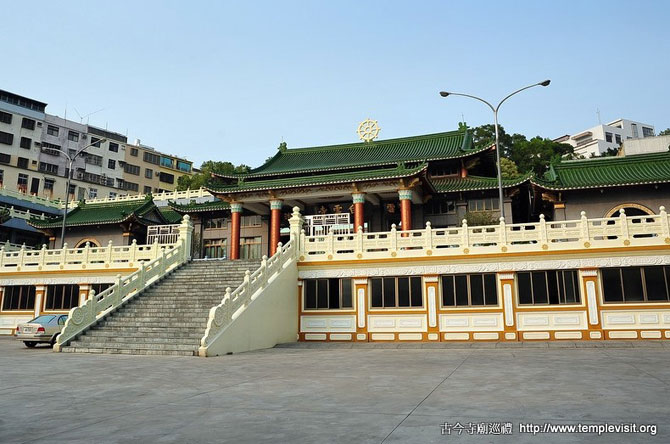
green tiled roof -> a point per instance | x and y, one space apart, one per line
170 215
602 172
474 183
194 207
399 171
103 213
447 145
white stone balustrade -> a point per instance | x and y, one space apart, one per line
581 234
24 214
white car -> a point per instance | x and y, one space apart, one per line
42 329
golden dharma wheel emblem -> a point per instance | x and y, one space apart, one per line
368 130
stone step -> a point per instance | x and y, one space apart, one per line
111 329
145 341
136 323
170 306
169 310
135 333
112 350
136 346
160 316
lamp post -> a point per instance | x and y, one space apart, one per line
71 160
495 119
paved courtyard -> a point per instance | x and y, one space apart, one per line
310 393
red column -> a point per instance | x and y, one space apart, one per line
236 213
359 210
275 222
405 209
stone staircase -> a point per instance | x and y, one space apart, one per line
170 317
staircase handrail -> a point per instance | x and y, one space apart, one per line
236 301
99 305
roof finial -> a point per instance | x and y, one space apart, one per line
282 147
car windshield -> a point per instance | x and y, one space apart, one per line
44 319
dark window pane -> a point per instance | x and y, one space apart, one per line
346 293
403 292
389 292
476 289
447 291
632 284
29 297
322 293
611 285
490 289
376 292
571 291
525 292
461 290
552 283
655 284
539 287
333 293
310 293
417 294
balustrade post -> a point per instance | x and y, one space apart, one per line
394 238
665 228
331 243
543 230
247 284
586 235
93 304
161 262
295 227
359 240
264 268
301 242
133 250
624 226
118 296
141 276
2 255
429 236
156 248
186 234
466 234
502 236
63 254
86 248
21 253
109 252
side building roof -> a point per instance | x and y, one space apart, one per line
601 172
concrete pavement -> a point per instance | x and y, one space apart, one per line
315 393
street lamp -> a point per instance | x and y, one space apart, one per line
71 160
495 118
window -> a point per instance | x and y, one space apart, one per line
114 147
5 117
28 123
92 159
51 149
112 194
647 132
5 158
6 138
218 222
99 288
71 189
608 137
617 137
165 177
92 193
133 152
167 162
147 189
327 294
396 292
2 177
149 174
49 185
636 284
22 162
111 164
548 287
25 143
486 204
465 290
183 166
52 130
130 186
73 136
62 297
251 221
81 193
633 128
22 183
131 169
216 248
437 206
95 142
48 168
250 248
152 158
18 297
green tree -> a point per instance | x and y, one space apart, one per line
508 169
665 132
198 180
537 154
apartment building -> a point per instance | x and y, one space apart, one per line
31 159
599 139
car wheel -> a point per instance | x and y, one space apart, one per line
54 339
30 344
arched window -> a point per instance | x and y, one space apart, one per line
93 242
631 209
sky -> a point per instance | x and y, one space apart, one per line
230 81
